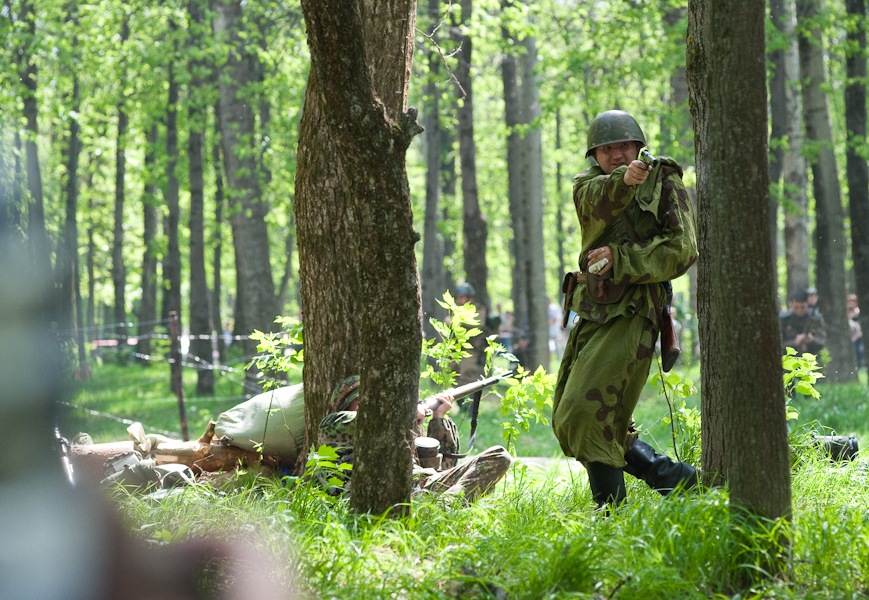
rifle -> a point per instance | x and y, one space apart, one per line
475 389
66 463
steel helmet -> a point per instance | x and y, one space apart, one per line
465 289
345 393
612 127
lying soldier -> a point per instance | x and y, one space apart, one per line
435 461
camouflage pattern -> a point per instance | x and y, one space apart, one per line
473 478
445 431
344 394
650 229
477 476
793 325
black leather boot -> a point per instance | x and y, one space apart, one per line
662 473
607 484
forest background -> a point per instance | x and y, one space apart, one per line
149 156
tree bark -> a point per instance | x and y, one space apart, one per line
790 176
119 268
744 431
255 294
535 266
28 75
433 276
148 306
829 236
475 227
200 317
858 172
515 188
363 89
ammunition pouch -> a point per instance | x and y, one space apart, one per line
603 290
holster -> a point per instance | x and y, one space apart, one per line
568 284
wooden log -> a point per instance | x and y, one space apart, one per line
88 460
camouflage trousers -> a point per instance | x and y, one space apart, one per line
473 478
602 373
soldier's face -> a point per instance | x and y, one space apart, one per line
799 308
612 156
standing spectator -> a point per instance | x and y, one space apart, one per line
556 337
800 330
812 302
856 329
505 332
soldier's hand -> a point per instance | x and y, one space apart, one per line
637 173
444 406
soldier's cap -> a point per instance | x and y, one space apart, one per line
799 296
810 291
345 393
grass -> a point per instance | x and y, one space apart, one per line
536 536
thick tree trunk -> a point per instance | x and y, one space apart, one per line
200 321
858 172
744 427
363 91
830 238
255 294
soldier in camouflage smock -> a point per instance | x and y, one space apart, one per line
639 218
439 472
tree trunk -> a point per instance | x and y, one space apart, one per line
744 431
200 317
433 279
475 228
535 268
67 263
148 306
858 173
172 260
255 292
28 74
217 241
515 188
829 227
788 142
363 91
119 269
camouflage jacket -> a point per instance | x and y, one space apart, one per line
338 430
650 229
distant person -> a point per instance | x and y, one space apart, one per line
801 330
812 302
556 333
505 331
855 327
471 367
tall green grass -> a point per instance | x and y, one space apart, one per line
537 535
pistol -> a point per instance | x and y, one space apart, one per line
647 158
